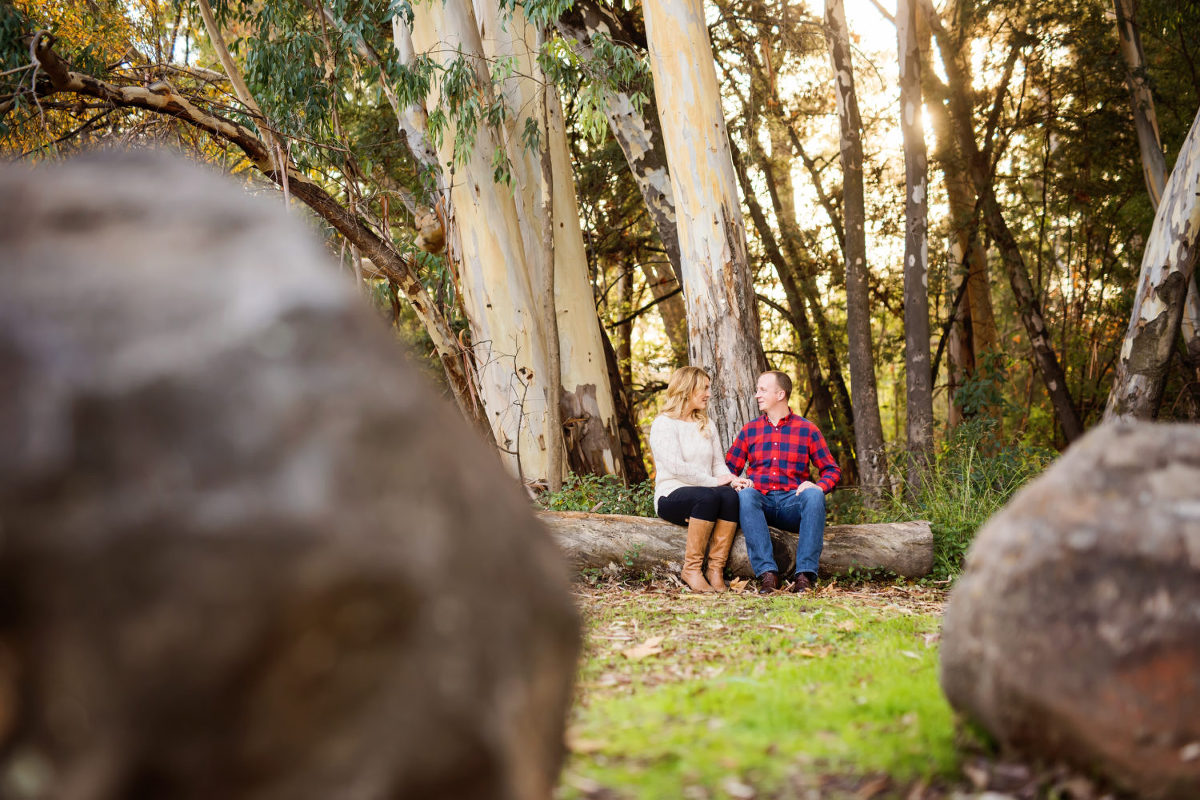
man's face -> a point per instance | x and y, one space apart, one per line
767 392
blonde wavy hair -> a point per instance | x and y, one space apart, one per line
683 383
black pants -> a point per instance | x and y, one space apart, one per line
709 503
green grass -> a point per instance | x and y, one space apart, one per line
758 691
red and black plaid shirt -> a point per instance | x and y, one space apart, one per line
780 456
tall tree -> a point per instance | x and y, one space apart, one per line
503 259
1168 264
919 379
868 429
633 119
723 327
980 171
1154 163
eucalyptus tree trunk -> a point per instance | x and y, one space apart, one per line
776 170
639 136
1154 163
586 399
960 357
1168 263
919 380
868 429
495 273
554 416
723 327
504 266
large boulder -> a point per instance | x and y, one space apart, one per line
245 552
1074 633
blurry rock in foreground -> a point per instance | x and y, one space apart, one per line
244 551
1074 633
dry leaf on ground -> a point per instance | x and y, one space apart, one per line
651 646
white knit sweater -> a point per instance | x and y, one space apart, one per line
684 455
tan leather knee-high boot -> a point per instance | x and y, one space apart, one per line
718 553
698 534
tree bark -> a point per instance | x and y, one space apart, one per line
968 256
1154 163
1168 264
642 544
868 429
503 260
723 326
495 274
640 138
633 462
1141 101
919 379
554 411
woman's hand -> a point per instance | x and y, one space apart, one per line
741 483
726 479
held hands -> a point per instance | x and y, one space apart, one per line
741 483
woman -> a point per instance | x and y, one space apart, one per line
692 485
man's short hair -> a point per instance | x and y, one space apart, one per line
783 381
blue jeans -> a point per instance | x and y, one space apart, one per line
802 513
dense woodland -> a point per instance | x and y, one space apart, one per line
951 222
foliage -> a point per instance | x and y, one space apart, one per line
969 477
682 696
605 494
982 392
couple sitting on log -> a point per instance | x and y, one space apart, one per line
699 485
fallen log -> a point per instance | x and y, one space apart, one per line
641 544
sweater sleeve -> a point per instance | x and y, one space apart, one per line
668 455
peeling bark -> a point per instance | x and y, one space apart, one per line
639 136
505 258
1154 163
1168 264
496 276
723 326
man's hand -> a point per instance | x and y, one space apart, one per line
807 485
741 483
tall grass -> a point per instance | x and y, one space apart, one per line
969 477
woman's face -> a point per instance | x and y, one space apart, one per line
700 395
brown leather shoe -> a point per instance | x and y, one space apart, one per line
769 583
801 585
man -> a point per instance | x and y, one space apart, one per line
780 451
